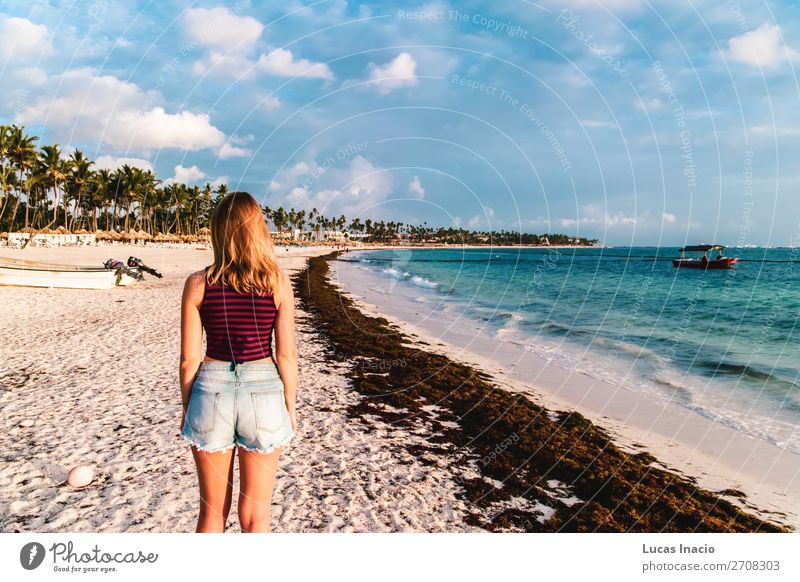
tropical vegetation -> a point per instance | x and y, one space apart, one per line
42 188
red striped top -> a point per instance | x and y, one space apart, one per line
238 325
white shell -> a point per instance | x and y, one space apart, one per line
80 476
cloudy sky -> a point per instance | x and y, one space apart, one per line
631 121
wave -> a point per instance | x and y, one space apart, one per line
415 280
731 369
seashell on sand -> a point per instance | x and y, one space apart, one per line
80 476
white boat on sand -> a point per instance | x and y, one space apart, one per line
40 274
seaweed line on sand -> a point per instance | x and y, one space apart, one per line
521 467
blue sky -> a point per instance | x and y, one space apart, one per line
632 121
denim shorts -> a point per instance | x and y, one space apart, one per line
237 404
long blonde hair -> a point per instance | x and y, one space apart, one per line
244 259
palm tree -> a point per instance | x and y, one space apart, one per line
80 176
54 169
102 194
22 153
6 167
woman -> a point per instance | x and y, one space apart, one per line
238 395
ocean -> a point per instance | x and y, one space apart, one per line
724 344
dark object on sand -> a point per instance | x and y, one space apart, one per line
122 269
135 263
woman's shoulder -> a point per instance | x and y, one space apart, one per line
195 285
284 291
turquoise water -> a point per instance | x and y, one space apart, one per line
722 343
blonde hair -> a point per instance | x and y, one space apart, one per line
243 253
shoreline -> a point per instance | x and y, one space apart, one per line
756 475
523 467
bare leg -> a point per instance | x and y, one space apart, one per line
257 476
215 475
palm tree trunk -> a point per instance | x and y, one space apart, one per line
55 201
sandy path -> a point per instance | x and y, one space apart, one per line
90 377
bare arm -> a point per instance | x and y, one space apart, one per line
191 336
286 346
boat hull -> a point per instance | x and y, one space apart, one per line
29 273
725 263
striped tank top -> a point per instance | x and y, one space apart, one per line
238 325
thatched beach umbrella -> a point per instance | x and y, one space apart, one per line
61 230
143 235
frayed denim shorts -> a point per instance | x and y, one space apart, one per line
237 404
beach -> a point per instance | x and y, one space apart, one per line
387 439
91 378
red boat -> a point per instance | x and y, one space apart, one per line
704 262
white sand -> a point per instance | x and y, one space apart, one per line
717 456
91 378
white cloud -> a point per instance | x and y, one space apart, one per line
483 220
594 124
400 72
184 175
221 64
228 151
281 62
270 102
762 47
219 27
231 40
360 187
275 186
219 181
669 218
299 169
112 163
653 104
298 196
415 188
593 217
22 40
114 112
